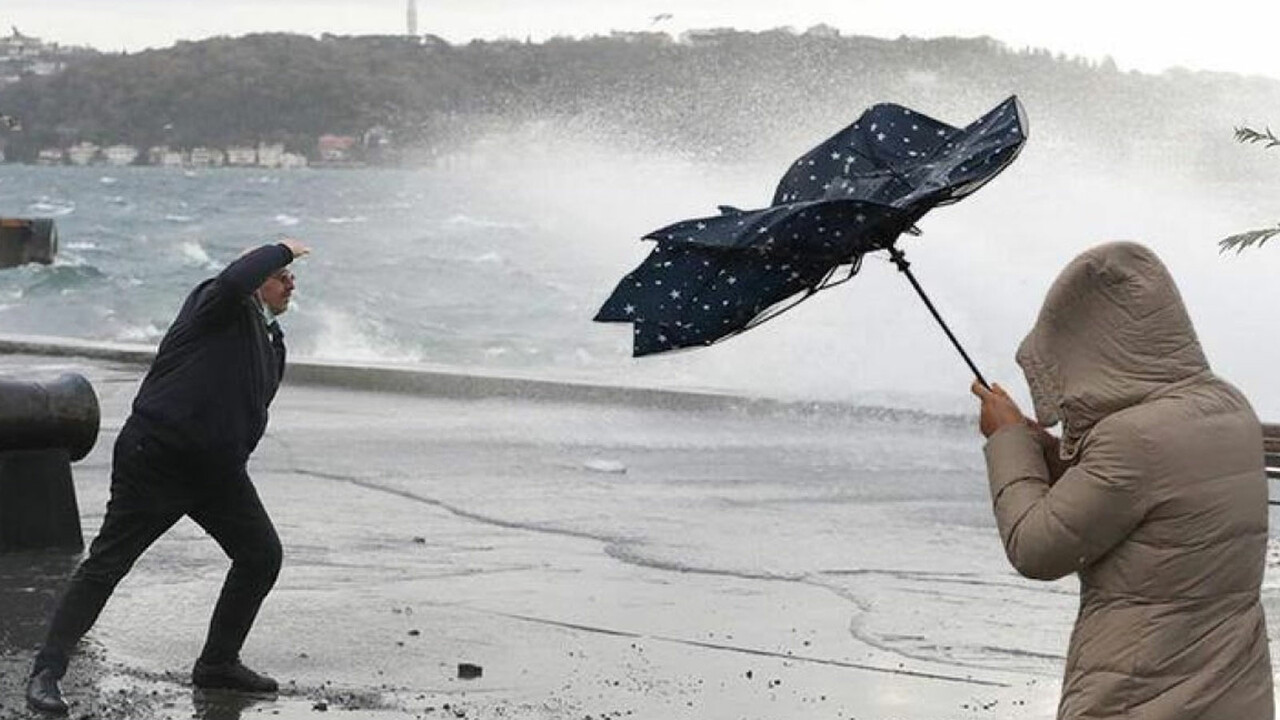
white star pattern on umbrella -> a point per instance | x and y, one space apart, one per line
836 203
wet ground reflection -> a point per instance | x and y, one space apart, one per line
30 584
223 705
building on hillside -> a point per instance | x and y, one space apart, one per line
45 67
377 136
242 155
378 146
641 37
50 156
271 156
171 158
707 37
335 148
823 30
120 155
292 161
22 47
82 153
207 157
26 55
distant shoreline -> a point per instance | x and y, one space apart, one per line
151 166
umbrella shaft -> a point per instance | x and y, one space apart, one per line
900 260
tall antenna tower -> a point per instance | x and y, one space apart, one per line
412 17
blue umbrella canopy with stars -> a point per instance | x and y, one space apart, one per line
713 277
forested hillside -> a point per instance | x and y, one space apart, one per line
714 93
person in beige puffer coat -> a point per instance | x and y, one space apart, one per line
1155 495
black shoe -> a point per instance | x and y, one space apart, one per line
44 695
231 676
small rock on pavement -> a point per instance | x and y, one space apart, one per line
606 466
467 671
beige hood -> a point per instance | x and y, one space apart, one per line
1113 330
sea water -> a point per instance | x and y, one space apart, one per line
495 260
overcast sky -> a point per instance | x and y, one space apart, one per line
1147 35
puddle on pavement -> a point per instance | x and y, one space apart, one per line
168 697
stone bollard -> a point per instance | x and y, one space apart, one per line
44 427
27 241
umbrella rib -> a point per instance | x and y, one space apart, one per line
881 163
854 266
809 292
766 316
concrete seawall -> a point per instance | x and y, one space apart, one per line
458 384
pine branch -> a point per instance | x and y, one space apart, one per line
1249 135
1243 240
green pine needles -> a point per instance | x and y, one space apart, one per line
1243 240
1249 135
1240 241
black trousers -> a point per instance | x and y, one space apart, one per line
152 487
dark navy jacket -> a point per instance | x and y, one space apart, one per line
205 397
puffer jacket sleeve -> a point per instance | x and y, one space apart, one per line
1051 530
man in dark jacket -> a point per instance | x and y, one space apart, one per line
200 412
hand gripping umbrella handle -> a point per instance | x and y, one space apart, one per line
900 260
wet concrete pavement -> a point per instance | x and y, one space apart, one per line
397 570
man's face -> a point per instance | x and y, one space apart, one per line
277 289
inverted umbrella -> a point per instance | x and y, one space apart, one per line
713 277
